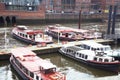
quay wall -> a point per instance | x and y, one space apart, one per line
39 17
63 18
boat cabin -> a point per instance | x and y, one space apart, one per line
84 54
93 56
36 35
90 45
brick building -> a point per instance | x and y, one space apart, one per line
35 9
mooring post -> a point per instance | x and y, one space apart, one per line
79 20
113 22
109 19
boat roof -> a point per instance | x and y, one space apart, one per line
33 62
22 27
22 52
60 30
94 44
63 28
28 31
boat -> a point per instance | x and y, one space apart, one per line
29 36
31 67
106 49
85 34
63 34
91 58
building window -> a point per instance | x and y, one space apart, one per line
68 4
23 5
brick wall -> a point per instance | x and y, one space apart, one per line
24 14
2 6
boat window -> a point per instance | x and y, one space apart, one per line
82 55
23 35
86 56
31 74
106 60
50 70
100 59
66 50
84 46
97 48
37 78
26 36
77 53
20 34
24 69
92 48
95 59
88 47
30 36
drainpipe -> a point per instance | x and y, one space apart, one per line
109 19
113 22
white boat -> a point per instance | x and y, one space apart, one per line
63 33
91 58
106 49
85 34
22 33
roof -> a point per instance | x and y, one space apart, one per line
57 30
94 44
31 61
18 52
24 29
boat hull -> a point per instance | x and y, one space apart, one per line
114 67
22 75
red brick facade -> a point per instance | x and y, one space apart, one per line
57 5
22 14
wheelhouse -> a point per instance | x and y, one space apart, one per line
95 46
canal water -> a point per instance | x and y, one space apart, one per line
71 68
